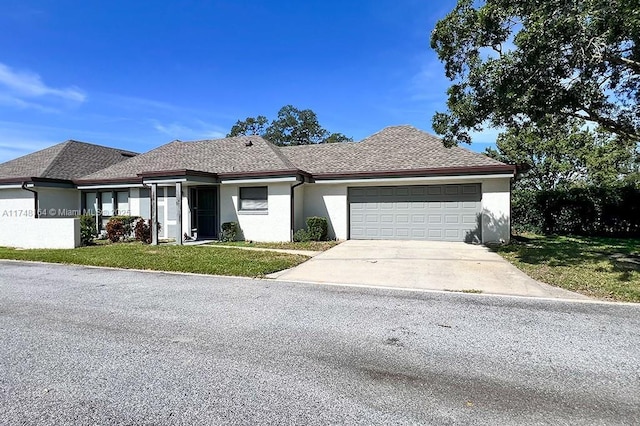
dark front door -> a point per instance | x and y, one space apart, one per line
206 207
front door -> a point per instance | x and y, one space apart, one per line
206 209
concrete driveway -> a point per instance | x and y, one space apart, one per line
421 265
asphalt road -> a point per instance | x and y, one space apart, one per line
94 346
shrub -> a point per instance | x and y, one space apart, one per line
301 236
128 222
317 227
120 227
591 210
142 231
88 229
230 231
115 230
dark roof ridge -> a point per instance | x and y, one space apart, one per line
281 156
56 159
74 141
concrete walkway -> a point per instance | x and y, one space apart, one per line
421 265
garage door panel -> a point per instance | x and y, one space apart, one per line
418 218
469 219
418 234
386 218
434 234
402 218
386 232
435 219
452 234
433 212
402 232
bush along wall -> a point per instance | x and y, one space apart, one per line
317 230
592 210
120 228
229 231
88 229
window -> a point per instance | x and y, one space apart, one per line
253 198
107 203
122 199
90 201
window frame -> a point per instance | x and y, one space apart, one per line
260 210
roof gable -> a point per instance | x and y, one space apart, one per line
64 161
393 149
235 155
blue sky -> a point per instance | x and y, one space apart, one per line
137 74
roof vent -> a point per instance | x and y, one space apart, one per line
248 143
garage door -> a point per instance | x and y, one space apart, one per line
431 212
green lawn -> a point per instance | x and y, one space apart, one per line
607 268
218 261
307 245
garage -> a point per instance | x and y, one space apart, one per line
415 212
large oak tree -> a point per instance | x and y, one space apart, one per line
292 126
515 62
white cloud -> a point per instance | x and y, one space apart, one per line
13 146
26 84
183 132
13 101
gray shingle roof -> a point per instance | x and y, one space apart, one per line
397 148
228 155
393 149
66 161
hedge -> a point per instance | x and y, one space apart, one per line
592 210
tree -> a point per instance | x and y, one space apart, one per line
553 155
291 127
250 126
337 138
514 62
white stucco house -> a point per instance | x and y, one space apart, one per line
400 183
39 201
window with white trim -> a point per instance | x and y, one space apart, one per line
122 203
253 198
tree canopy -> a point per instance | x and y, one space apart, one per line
553 155
292 126
516 62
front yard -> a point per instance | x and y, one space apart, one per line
607 268
203 260
306 245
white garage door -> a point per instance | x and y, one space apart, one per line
425 212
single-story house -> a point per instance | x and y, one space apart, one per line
41 186
400 183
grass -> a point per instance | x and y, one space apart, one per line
217 261
307 245
607 268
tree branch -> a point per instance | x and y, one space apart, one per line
621 60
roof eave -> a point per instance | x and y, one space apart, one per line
36 180
176 173
506 169
107 181
264 173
